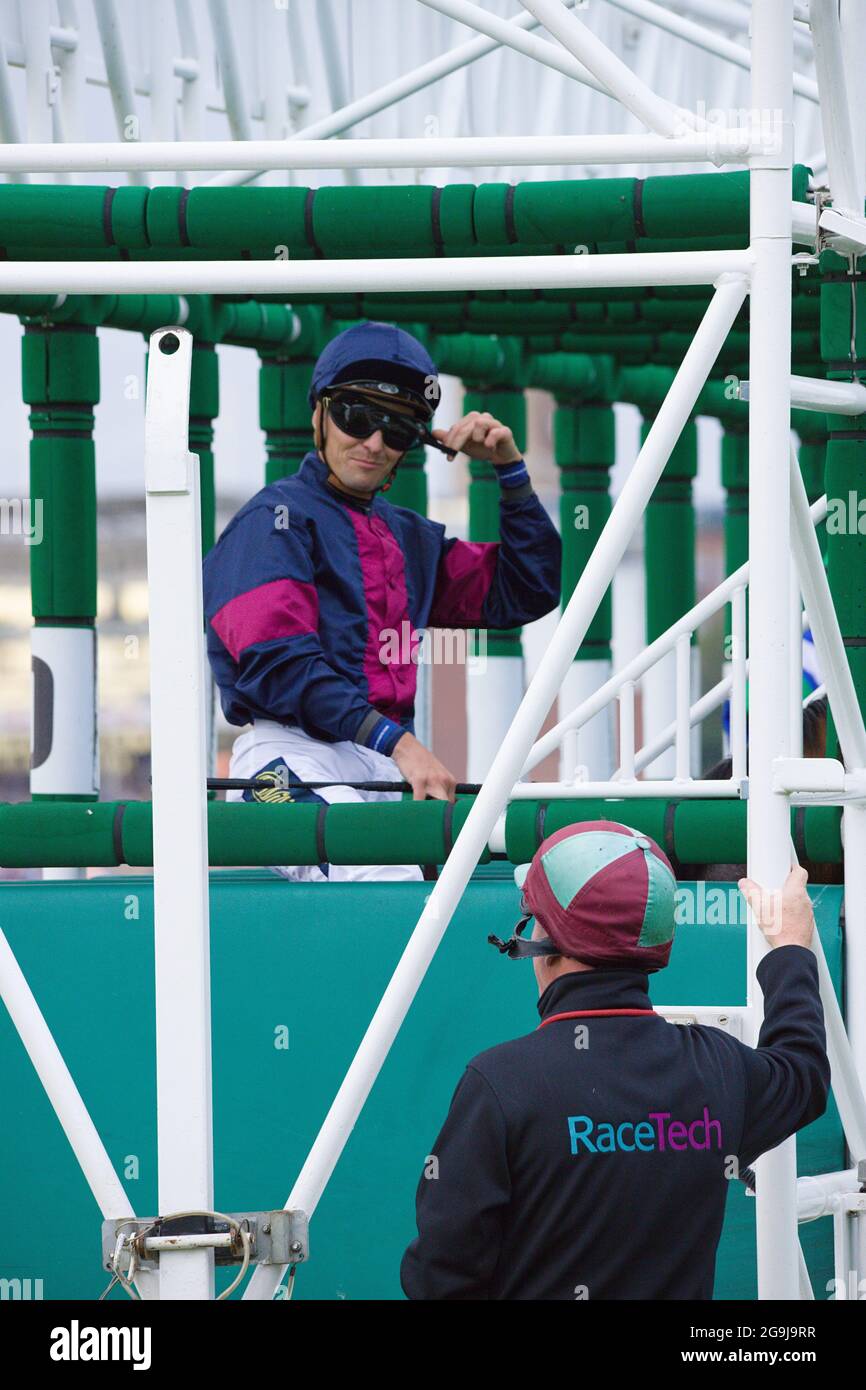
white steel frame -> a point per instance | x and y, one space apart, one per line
780 525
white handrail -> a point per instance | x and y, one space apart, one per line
641 663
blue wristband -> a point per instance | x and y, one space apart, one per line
513 474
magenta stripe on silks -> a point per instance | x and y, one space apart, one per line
388 666
465 577
281 608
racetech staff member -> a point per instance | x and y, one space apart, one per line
310 581
590 1159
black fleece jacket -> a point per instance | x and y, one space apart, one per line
591 1158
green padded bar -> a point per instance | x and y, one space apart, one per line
273 216
65 831
568 211
694 830
54 217
60 381
669 537
572 376
204 407
584 448
284 412
128 214
509 406
393 220
475 358
384 221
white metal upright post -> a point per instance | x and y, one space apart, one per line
853 25
769 562
179 770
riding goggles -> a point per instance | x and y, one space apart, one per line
361 418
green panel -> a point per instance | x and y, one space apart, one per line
87 952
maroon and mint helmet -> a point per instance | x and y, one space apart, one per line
604 894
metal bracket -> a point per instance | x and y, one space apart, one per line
276 1237
727 1020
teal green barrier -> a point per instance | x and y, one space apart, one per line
304 964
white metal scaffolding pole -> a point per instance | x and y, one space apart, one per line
490 802
846 177
381 98
334 277
706 39
60 1088
180 848
717 146
769 569
654 111
848 720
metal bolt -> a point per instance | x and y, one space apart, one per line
296 1247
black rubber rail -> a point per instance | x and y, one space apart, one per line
243 784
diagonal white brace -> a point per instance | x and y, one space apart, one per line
65 1098
656 112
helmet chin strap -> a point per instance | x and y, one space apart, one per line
383 487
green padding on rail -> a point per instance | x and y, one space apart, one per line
37 833
275 218
164 218
396 220
694 830
129 217
53 216
715 207
575 211
393 220
455 217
